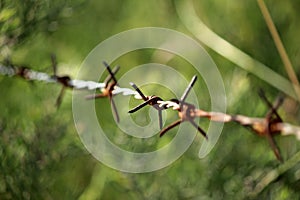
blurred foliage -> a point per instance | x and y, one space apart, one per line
21 19
41 154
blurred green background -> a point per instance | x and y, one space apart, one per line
41 154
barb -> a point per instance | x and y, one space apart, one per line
63 80
185 111
139 91
188 89
112 73
149 100
272 117
107 91
268 126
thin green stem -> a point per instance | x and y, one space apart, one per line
272 175
279 45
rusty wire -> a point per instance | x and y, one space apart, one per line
270 125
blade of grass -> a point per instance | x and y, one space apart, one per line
193 23
272 175
279 45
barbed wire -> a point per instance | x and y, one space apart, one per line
270 125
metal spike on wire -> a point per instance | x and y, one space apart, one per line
185 111
110 83
149 100
272 117
188 89
63 80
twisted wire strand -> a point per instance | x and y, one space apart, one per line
76 84
29 74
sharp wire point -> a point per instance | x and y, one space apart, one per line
199 129
188 89
114 108
110 71
272 108
274 146
174 124
54 64
109 77
160 119
138 107
139 91
60 96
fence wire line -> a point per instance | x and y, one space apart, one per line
75 84
29 74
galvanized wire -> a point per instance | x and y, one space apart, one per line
29 74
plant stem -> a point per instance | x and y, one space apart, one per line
279 45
